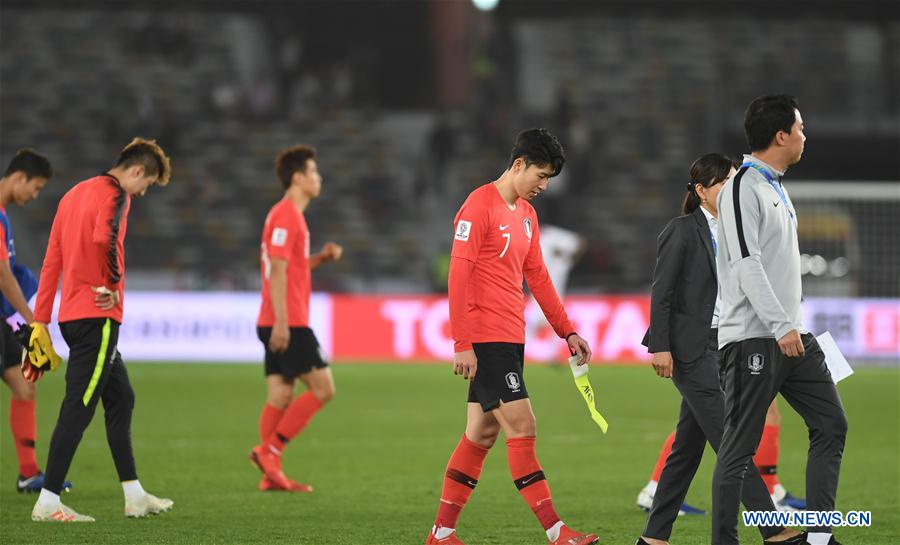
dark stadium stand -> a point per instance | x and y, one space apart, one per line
632 98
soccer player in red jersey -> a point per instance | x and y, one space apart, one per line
496 244
23 180
292 350
86 248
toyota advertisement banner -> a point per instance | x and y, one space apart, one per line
221 327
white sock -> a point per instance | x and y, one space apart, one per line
441 532
778 492
133 490
651 487
818 538
553 532
48 500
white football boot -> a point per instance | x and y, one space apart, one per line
148 504
60 513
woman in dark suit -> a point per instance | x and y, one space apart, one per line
683 340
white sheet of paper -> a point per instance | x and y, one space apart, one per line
835 361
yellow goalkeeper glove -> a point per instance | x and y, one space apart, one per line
40 348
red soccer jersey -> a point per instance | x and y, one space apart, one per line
286 236
504 246
87 247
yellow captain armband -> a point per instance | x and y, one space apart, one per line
580 374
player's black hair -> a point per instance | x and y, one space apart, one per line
767 115
539 147
31 163
708 170
149 155
292 160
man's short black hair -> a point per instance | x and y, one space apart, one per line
293 159
539 147
767 115
31 163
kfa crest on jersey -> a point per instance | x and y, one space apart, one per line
527 223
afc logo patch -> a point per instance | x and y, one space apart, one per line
463 228
279 236
527 223
512 380
755 363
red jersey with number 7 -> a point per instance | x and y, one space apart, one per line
286 236
503 243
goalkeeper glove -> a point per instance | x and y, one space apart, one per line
38 349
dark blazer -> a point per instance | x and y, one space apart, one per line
683 295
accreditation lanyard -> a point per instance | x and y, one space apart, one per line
774 182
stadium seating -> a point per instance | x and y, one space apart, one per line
205 90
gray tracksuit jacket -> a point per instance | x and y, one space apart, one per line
758 257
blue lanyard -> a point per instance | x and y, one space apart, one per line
774 182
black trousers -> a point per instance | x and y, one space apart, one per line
94 373
702 420
755 371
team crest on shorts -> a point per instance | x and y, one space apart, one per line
512 380
755 363
527 223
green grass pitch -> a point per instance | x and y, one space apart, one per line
376 457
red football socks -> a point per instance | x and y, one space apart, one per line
766 458
22 421
529 479
268 421
463 472
663 456
295 418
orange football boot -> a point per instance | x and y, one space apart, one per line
449 540
568 536
270 464
267 485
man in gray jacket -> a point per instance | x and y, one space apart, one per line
766 348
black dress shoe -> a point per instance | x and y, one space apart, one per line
799 539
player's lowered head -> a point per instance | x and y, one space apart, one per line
774 130
24 178
298 172
536 157
142 163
